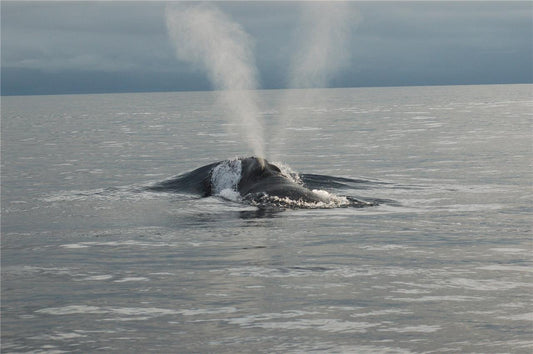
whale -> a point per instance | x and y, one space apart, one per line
259 182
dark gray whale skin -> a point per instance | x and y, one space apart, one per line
259 179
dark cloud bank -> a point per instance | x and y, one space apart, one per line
92 47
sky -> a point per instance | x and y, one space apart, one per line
100 47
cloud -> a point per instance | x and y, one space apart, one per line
395 43
84 36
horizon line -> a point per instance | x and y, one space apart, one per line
103 92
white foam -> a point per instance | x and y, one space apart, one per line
382 313
127 319
219 310
288 172
342 272
458 298
509 250
512 268
519 317
70 310
473 207
230 194
411 291
136 313
272 321
250 320
329 201
418 329
117 244
335 347
74 245
119 193
485 285
383 247
97 277
128 279
142 311
304 128
58 336
326 324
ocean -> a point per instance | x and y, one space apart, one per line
93 260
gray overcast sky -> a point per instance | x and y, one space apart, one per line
86 47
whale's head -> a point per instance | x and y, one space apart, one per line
259 178
256 168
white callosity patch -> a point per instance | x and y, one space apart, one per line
225 178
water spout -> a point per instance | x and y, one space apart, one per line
206 37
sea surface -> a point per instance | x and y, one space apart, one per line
93 261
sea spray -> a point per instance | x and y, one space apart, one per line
206 37
321 51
